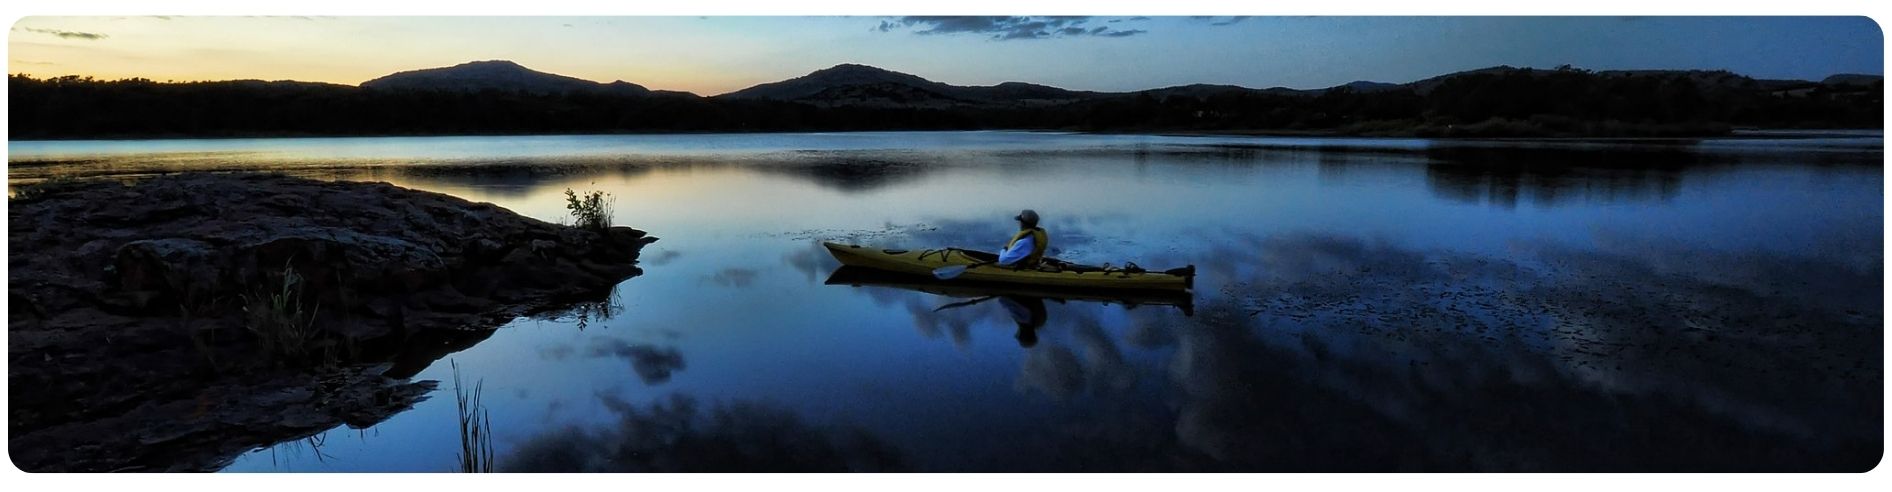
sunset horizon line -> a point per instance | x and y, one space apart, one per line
923 76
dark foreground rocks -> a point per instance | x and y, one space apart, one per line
174 323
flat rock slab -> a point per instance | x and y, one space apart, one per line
129 345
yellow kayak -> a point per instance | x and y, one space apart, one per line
859 277
1054 272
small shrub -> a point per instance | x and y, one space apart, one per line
591 210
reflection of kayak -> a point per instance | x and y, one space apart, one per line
858 276
1056 273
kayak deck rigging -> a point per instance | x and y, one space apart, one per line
859 277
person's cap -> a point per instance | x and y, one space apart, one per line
1027 216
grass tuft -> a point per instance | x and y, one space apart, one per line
279 322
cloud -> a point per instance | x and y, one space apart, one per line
1219 20
68 34
663 257
1054 371
556 352
734 277
653 365
289 17
813 261
678 434
1004 28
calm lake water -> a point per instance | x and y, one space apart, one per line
1363 304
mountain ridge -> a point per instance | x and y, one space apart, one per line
506 98
853 84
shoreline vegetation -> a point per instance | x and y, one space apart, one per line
502 98
171 323
1492 131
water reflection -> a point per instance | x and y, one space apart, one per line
1024 306
677 435
1030 315
583 312
1671 306
1549 175
733 277
1545 185
1546 176
1091 363
852 172
653 364
1494 172
1339 354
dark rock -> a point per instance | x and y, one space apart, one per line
178 268
128 308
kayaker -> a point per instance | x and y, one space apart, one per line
1027 247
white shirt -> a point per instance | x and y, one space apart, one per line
1018 251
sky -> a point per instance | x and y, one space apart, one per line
714 55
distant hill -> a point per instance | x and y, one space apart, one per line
1426 85
625 88
1853 79
843 75
498 75
1707 80
1200 91
276 84
862 85
855 85
1021 91
1367 86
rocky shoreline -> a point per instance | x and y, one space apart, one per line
173 323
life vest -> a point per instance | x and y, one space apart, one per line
1039 240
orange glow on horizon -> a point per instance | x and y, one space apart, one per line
339 51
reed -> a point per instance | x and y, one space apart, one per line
476 440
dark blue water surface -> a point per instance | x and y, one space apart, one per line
1363 304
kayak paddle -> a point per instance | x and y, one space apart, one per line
963 303
950 271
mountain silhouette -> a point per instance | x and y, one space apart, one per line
502 97
1852 79
856 85
850 84
500 75
838 76
862 85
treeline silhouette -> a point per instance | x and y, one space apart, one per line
1515 102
